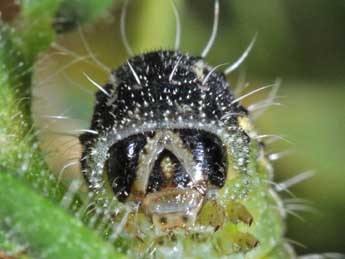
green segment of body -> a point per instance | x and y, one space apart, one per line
245 221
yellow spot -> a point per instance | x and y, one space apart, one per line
167 167
246 125
199 69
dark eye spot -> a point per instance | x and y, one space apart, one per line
122 164
208 151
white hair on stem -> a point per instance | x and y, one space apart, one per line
90 52
118 228
69 195
273 136
60 51
250 93
296 201
93 220
77 85
107 217
295 214
178 25
261 107
294 180
85 131
97 85
63 51
80 212
241 82
174 69
294 242
63 68
211 72
74 133
297 204
50 123
90 55
65 167
134 73
242 58
274 185
230 114
57 117
214 30
123 29
272 139
91 208
300 208
279 155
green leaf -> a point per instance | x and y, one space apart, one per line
49 231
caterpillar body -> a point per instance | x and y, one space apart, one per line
171 145
173 164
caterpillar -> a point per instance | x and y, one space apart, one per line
172 161
170 142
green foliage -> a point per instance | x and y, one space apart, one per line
31 225
48 231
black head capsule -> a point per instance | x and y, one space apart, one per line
168 134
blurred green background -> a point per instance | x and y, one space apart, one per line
301 42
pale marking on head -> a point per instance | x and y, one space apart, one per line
169 141
198 69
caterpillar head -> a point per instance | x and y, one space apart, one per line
164 137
